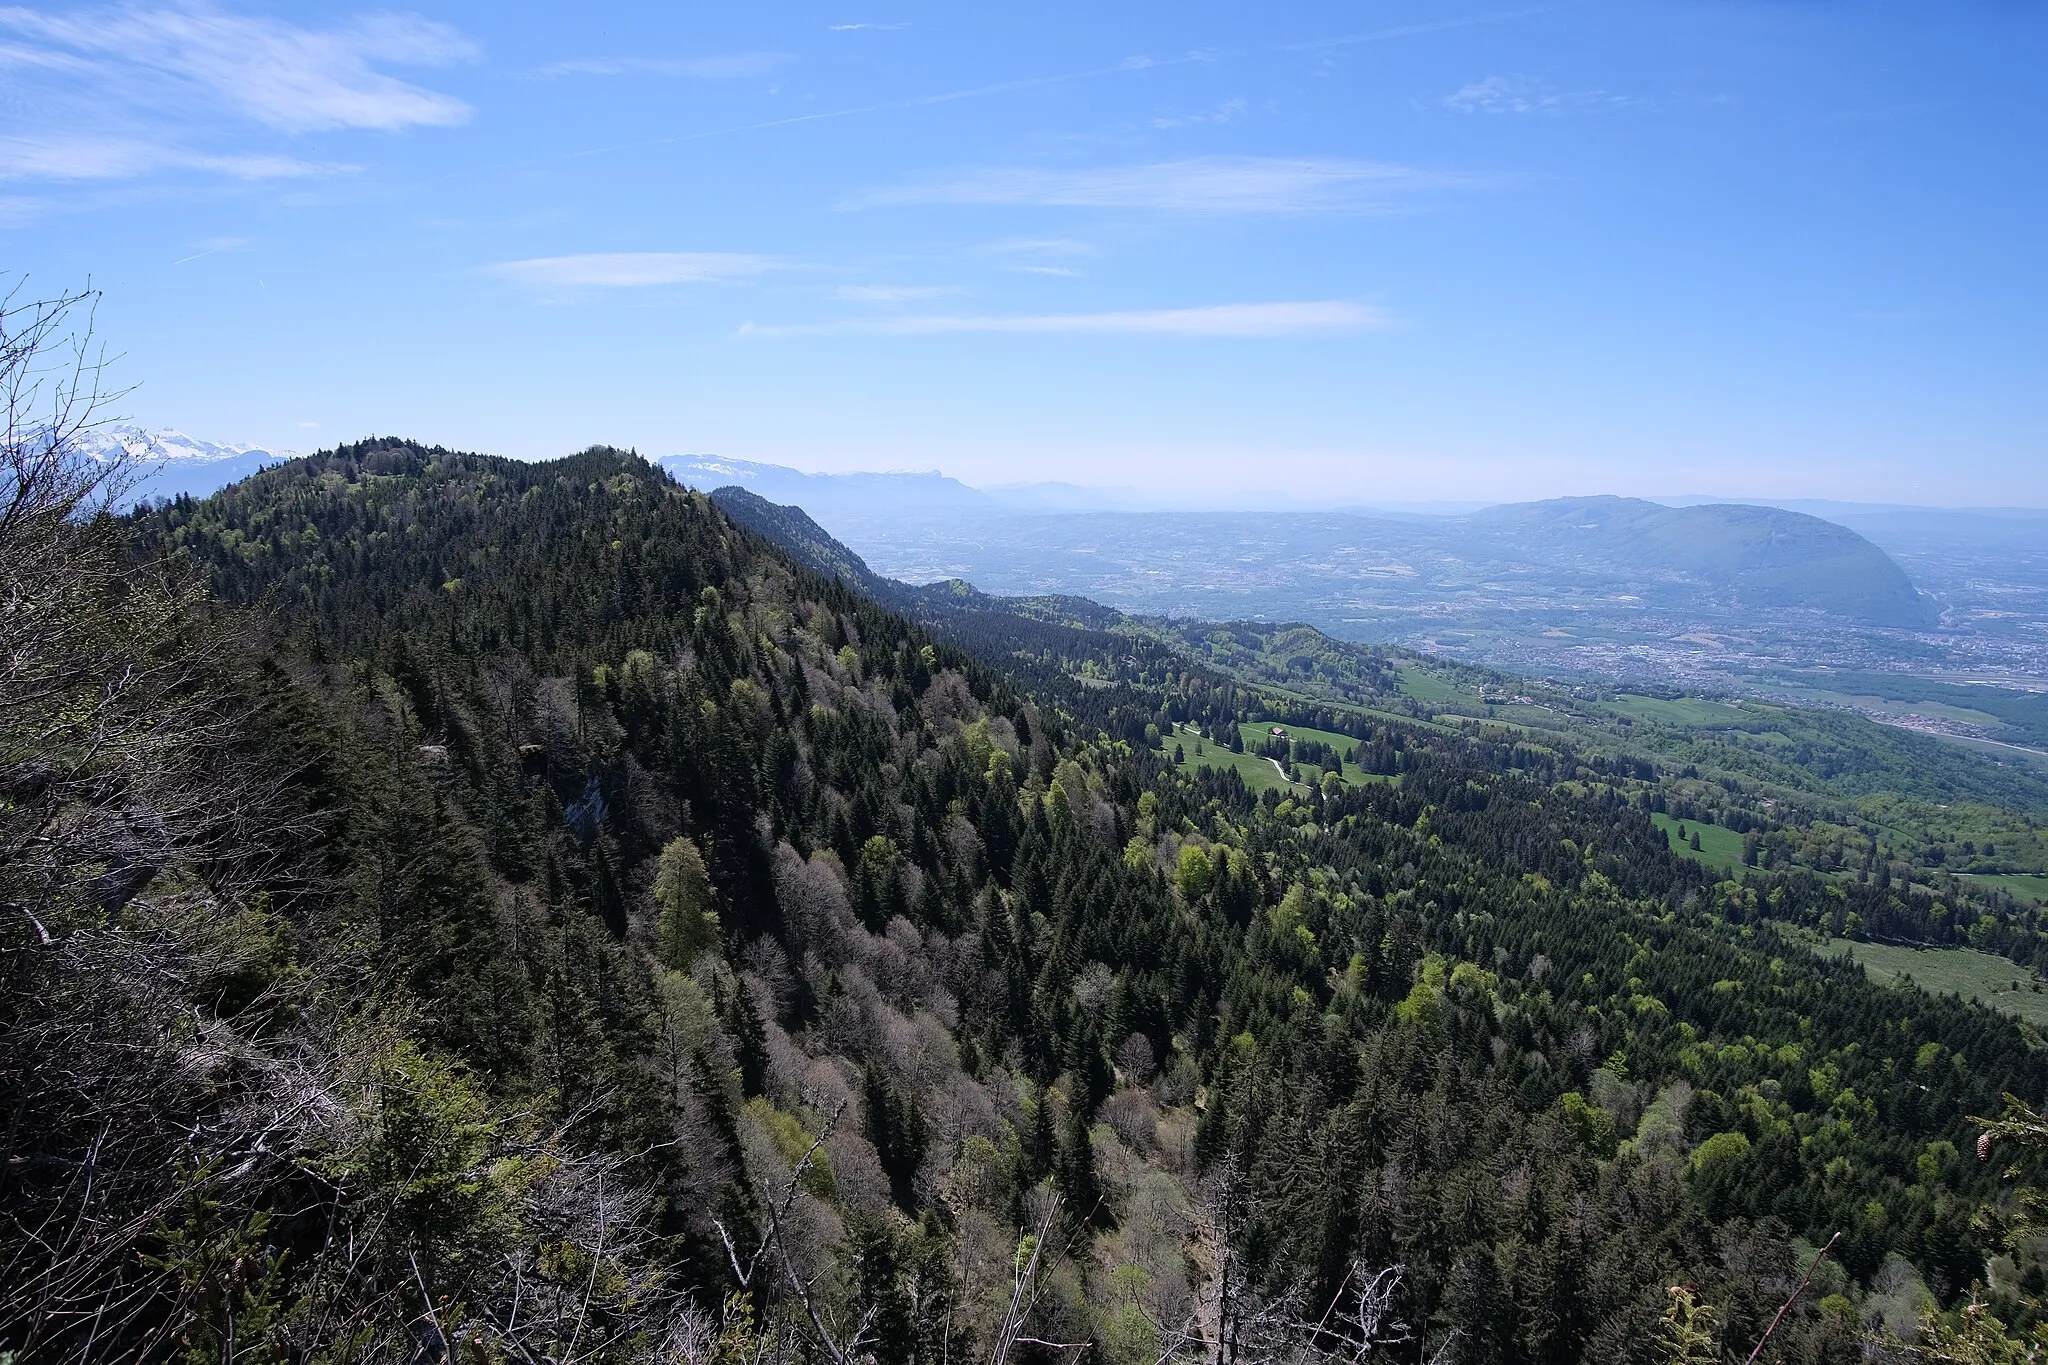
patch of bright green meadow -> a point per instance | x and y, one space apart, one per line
1719 846
1682 711
1432 688
1988 980
1259 774
1257 732
2031 886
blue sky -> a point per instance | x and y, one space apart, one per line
1393 251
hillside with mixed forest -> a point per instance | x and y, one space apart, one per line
469 909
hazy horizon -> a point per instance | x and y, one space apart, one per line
1396 253
1126 497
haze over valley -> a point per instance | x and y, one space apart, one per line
1447 763
1721 596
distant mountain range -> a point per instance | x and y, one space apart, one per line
1678 588
1602 556
170 462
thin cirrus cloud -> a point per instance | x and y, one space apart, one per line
723 66
1526 95
1038 255
136 89
1037 248
1213 184
1242 320
275 73
892 293
118 158
633 269
1226 112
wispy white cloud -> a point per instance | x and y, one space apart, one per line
722 66
893 293
119 158
1215 184
279 74
15 57
850 28
633 269
1306 319
1059 248
1526 95
1386 35
136 89
1063 271
1225 112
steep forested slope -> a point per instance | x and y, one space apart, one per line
626 943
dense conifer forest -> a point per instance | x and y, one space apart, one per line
464 909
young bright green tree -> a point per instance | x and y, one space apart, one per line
682 888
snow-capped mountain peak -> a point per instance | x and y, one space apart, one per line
168 446
170 463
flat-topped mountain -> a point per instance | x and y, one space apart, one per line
1604 556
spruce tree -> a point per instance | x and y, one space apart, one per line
1078 1183
682 889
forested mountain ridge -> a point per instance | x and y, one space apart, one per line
1801 787
791 528
661 951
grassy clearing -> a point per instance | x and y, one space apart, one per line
1966 972
1719 847
1431 689
1259 774
2025 885
1684 711
1256 733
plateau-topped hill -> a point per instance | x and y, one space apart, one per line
1755 558
830 495
1507 584
1609 556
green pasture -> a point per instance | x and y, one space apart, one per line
1259 774
1256 733
1433 688
1682 712
1988 980
1719 847
2025 885
2010 754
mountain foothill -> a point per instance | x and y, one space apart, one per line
469 909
